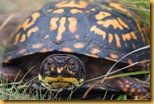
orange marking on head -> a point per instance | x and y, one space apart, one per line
27 24
32 30
114 56
95 51
132 90
23 38
78 45
72 24
117 39
22 51
46 36
65 49
98 31
76 11
53 24
112 22
130 61
16 38
59 70
58 11
122 23
110 38
49 10
102 15
133 35
61 28
118 7
38 45
72 4
77 36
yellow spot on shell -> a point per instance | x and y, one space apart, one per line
38 45
126 36
49 10
77 36
16 38
27 24
92 55
95 51
22 51
133 35
129 36
44 50
134 46
114 56
65 49
76 11
8 58
23 38
102 15
78 45
130 61
61 28
122 23
98 31
93 9
58 11
112 22
72 24
46 36
72 4
110 38
117 40
32 30
53 24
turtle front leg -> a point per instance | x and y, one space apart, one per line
128 85
11 73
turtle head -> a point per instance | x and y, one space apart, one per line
62 71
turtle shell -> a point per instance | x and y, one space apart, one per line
98 30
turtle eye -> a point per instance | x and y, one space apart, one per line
50 64
72 64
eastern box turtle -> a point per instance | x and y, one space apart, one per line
66 43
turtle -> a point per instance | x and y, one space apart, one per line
71 43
